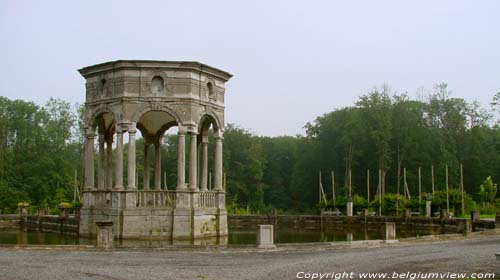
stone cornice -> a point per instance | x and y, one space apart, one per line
154 65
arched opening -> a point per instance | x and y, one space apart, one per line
158 130
209 134
104 125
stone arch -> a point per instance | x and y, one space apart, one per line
104 118
156 107
212 118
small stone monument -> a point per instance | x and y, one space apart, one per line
428 206
475 215
464 226
265 237
365 213
407 214
23 209
105 235
390 231
443 214
349 208
350 236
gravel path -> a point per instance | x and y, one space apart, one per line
470 255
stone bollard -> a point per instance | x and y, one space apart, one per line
390 232
349 208
497 220
407 214
365 212
428 209
63 213
41 212
464 226
475 216
265 237
105 235
443 214
350 236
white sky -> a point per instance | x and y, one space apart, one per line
291 60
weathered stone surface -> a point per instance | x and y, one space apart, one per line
265 237
152 96
390 231
105 235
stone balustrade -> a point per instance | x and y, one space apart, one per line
155 198
207 199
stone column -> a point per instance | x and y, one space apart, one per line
109 167
100 163
218 164
181 161
119 161
428 208
204 166
193 164
145 173
349 208
158 164
131 160
390 231
89 161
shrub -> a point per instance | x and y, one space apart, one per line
455 198
359 203
391 204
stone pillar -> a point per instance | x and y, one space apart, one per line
407 214
390 231
475 216
181 161
428 208
218 164
145 173
158 164
119 161
204 166
100 163
464 226
265 237
109 163
350 236
497 220
131 160
349 208
193 156
89 161
105 235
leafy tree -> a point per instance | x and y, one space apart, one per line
487 191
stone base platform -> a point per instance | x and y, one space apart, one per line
155 214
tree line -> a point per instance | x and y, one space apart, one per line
41 149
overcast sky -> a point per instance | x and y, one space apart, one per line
291 60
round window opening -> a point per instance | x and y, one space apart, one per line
157 84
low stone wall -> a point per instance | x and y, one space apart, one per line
49 223
9 221
338 222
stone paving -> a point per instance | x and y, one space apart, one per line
476 254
